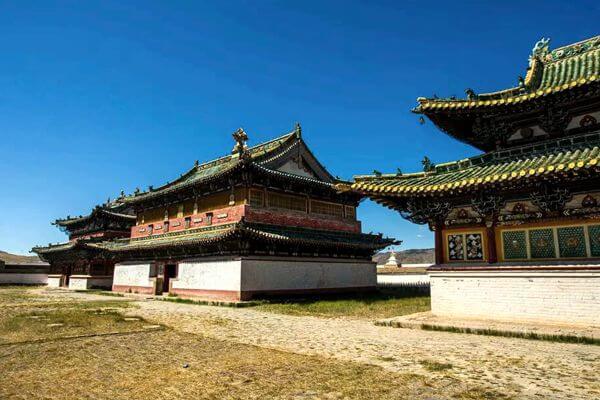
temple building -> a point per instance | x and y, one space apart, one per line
517 228
262 220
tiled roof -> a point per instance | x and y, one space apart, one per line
217 233
549 72
260 156
552 158
99 210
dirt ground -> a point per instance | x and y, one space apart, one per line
104 347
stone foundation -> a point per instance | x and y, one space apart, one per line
545 295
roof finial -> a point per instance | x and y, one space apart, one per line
540 49
428 166
298 130
240 138
196 163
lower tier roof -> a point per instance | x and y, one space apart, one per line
221 233
559 158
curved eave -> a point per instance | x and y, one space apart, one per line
521 177
438 105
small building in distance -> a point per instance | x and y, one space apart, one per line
517 231
262 220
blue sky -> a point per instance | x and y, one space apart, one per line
96 97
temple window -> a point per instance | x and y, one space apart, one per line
209 218
256 198
188 222
465 247
549 243
324 208
287 202
166 224
150 229
350 212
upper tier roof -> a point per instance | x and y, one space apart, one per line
549 71
262 156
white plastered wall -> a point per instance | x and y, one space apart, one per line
208 275
24 279
132 274
298 274
571 297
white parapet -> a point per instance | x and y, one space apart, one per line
547 296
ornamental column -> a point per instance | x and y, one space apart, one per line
439 243
490 230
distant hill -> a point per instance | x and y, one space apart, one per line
15 258
411 256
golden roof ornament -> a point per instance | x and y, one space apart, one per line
240 138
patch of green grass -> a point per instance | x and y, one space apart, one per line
434 366
513 334
384 303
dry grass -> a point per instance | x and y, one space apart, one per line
97 354
384 303
151 365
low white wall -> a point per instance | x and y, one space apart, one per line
208 275
54 280
298 274
571 297
85 282
132 274
23 279
403 280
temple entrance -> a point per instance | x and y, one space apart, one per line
65 281
169 271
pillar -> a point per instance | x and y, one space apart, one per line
439 244
491 242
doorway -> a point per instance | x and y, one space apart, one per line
169 271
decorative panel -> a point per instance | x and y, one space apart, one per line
474 246
571 241
594 235
541 243
456 249
515 245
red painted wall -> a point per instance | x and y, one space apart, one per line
251 214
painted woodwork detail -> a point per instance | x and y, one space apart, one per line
514 245
456 248
594 237
587 121
551 199
422 212
541 243
474 246
571 241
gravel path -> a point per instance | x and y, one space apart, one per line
525 368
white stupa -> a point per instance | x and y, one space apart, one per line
392 261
